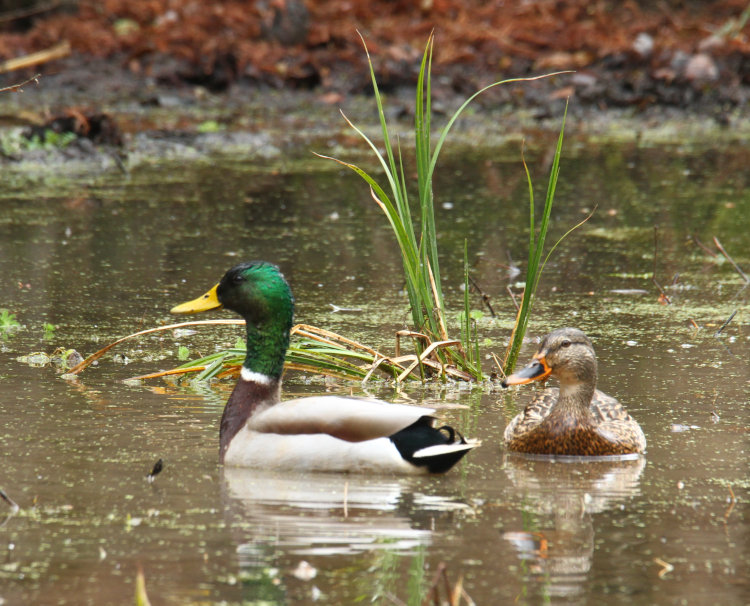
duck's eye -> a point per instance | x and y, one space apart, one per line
238 278
565 343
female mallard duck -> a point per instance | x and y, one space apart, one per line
577 418
321 433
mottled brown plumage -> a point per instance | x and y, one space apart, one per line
576 419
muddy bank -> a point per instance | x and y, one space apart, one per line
120 120
142 81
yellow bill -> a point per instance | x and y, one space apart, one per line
203 303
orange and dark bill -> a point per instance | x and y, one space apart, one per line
536 371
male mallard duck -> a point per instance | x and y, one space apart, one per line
320 433
577 418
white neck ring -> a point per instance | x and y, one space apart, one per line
255 377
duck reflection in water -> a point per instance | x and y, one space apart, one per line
568 492
337 522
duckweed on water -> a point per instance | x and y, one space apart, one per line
8 322
89 444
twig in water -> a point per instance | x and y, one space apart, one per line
726 254
498 363
453 594
732 501
13 505
432 589
484 295
512 297
95 356
446 582
666 567
705 248
723 326
663 298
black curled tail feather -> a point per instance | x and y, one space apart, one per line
452 433
420 435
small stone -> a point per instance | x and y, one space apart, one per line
72 358
701 68
679 61
583 79
304 571
643 44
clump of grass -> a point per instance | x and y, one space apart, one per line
419 250
536 249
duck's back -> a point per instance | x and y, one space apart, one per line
315 452
609 429
345 434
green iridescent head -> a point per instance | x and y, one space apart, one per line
259 293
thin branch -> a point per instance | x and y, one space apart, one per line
95 356
512 297
732 501
498 364
723 326
44 56
726 254
18 88
484 295
666 567
703 247
13 505
662 295
433 588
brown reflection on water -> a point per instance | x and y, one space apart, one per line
559 554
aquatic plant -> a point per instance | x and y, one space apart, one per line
312 350
536 248
8 322
16 141
419 253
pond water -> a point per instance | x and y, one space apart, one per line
103 256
